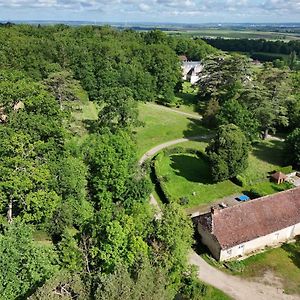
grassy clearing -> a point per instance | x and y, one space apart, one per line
161 126
284 262
186 100
265 157
187 176
268 188
215 294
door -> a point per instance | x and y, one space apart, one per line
241 249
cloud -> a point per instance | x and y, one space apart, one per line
154 8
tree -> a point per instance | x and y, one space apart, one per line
211 111
62 86
223 76
232 112
24 264
292 148
119 111
228 152
268 98
62 286
145 282
172 241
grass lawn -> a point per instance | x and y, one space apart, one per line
187 100
284 262
161 126
265 157
186 175
215 294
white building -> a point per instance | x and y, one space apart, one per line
242 229
191 71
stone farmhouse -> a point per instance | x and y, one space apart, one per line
243 229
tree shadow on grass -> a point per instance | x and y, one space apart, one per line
270 152
196 128
293 251
191 167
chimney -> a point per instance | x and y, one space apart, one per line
214 210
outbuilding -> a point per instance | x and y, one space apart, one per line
278 177
245 228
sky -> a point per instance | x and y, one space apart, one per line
174 11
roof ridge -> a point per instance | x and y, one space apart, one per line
258 199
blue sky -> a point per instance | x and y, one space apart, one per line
186 11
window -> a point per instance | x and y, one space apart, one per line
229 252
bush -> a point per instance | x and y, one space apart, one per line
192 289
236 266
184 200
285 170
240 181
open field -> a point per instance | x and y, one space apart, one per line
236 34
160 126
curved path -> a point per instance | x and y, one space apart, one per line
154 151
237 288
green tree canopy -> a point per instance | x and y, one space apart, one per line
24 264
228 152
292 148
232 112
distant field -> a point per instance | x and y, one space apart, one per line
237 34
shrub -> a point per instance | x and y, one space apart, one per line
240 181
184 200
285 170
235 266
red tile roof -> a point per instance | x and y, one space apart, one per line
278 176
244 222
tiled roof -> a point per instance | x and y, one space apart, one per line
278 176
256 218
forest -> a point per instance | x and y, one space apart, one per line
261 49
76 222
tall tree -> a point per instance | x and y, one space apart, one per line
228 152
24 264
232 112
292 148
223 76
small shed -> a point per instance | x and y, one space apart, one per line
278 177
